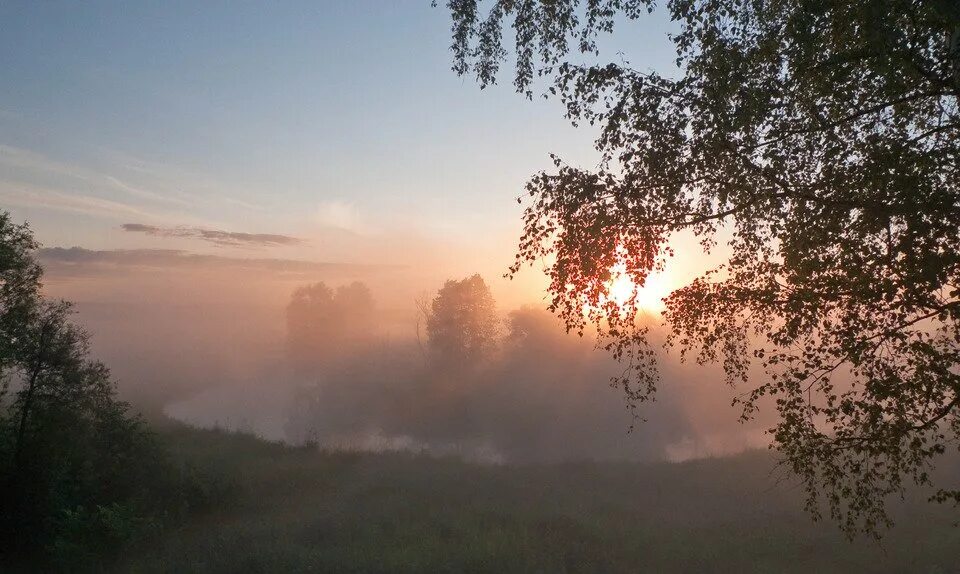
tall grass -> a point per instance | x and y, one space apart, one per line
287 509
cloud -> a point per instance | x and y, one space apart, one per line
340 215
38 164
75 261
144 194
24 195
216 236
152 185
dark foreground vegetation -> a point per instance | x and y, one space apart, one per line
81 474
285 509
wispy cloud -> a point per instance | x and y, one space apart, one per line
339 215
145 194
73 261
31 196
153 186
216 236
207 190
36 163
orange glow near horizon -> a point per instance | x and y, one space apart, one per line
649 297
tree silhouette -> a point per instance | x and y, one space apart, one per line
819 141
462 324
68 447
323 323
19 289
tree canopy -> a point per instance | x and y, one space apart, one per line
462 324
323 323
78 472
818 141
19 285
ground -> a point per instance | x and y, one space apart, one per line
284 509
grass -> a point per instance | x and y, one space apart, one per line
290 509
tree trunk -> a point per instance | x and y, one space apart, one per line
28 400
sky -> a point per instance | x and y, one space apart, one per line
188 165
300 119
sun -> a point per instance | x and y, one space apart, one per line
648 298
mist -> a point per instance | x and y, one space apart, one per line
209 340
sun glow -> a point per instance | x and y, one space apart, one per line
649 297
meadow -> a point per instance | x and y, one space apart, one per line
276 508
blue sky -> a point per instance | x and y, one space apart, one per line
265 117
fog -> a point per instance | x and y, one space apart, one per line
209 340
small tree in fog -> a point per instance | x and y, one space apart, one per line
462 323
323 323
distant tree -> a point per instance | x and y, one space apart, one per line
68 447
532 326
462 323
323 323
819 141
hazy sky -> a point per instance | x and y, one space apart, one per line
284 118
213 142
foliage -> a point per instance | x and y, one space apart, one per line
323 323
83 533
462 323
19 282
819 141
80 475
299 510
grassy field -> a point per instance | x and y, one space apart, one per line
283 509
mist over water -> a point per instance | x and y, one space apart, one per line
213 348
